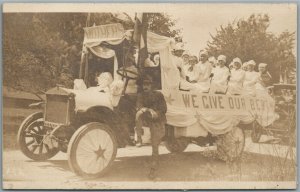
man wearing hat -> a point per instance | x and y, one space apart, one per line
237 76
220 76
205 69
151 112
251 78
264 78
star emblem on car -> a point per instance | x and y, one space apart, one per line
100 152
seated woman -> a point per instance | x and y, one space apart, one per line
191 74
251 78
107 84
220 77
264 79
103 82
192 71
235 84
203 83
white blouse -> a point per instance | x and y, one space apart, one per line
220 75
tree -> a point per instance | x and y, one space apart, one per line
44 49
163 24
30 52
249 39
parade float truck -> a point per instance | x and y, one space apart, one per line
90 124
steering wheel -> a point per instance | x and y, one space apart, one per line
128 74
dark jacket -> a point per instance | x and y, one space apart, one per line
153 100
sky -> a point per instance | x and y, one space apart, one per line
197 20
198 24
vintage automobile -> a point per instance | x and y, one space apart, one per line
284 128
90 124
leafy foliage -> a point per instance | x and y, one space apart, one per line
29 52
163 24
249 39
44 49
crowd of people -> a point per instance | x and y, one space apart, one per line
210 75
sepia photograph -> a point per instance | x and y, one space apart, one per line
149 96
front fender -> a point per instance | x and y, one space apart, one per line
106 115
38 105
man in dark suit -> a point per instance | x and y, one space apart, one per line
151 112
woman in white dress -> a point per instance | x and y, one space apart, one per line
251 78
264 79
235 85
213 61
230 66
205 69
192 71
220 76
191 74
244 66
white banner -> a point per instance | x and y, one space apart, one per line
220 103
103 32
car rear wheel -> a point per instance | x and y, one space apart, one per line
256 132
230 146
34 140
92 149
177 145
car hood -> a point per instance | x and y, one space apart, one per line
87 98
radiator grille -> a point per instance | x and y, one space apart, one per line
57 109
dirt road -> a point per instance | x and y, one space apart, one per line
196 165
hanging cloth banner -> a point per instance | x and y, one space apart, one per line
220 103
217 112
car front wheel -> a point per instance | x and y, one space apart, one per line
92 149
34 139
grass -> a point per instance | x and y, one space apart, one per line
280 166
250 167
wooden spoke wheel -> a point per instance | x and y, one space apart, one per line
230 146
177 145
92 149
256 132
32 136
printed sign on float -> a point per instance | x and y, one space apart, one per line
103 32
218 102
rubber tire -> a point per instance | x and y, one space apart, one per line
225 146
33 118
256 132
73 144
177 145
